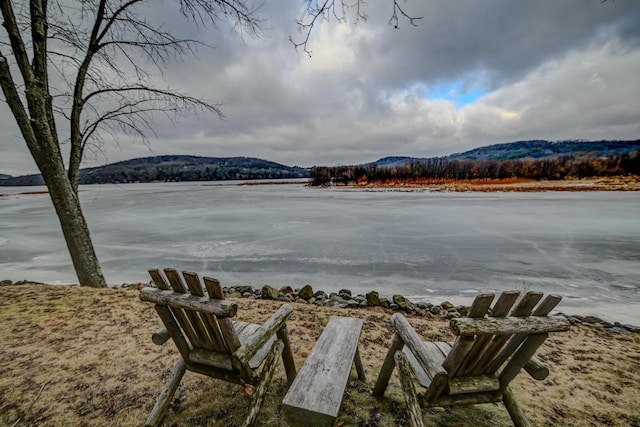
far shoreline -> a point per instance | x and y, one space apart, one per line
618 183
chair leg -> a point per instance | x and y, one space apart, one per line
387 366
160 408
514 409
266 376
287 355
407 379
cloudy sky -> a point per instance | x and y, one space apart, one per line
471 73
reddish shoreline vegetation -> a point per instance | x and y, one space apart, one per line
442 171
619 183
82 356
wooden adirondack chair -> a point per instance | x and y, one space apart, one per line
487 354
210 343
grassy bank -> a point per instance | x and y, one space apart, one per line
617 183
84 357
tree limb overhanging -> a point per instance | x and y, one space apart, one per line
316 11
106 58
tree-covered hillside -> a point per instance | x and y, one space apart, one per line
175 169
535 149
543 149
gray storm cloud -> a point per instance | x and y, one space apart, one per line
543 69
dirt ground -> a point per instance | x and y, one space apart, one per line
76 356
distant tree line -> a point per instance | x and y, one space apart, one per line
553 168
186 173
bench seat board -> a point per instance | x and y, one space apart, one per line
315 396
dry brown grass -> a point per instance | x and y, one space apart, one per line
82 357
617 183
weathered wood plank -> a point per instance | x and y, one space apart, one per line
212 325
229 336
175 280
191 322
434 351
477 351
429 358
476 384
158 280
548 303
181 317
213 287
193 283
407 380
514 342
508 325
260 337
186 301
445 347
211 358
462 399
246 335
387 366
460 350
174 330
521 357
490 362
213 372
315 395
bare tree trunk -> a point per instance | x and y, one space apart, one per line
74 227
76 232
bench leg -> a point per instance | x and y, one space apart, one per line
359 367
287 355
160 408
407 381
266 375
387 366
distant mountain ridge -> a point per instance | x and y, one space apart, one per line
534 149
171 168
175 168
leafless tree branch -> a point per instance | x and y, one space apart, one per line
317 11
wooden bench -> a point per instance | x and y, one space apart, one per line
315 395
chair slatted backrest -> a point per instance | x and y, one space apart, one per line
484 352
196 332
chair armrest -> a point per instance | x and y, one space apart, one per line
413 341
160 336
262 335
536 369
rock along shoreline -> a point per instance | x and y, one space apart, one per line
345 299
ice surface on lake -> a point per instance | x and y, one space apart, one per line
430 246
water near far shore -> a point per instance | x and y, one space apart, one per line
429 246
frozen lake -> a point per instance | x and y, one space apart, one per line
428 246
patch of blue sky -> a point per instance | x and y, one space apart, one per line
462 93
